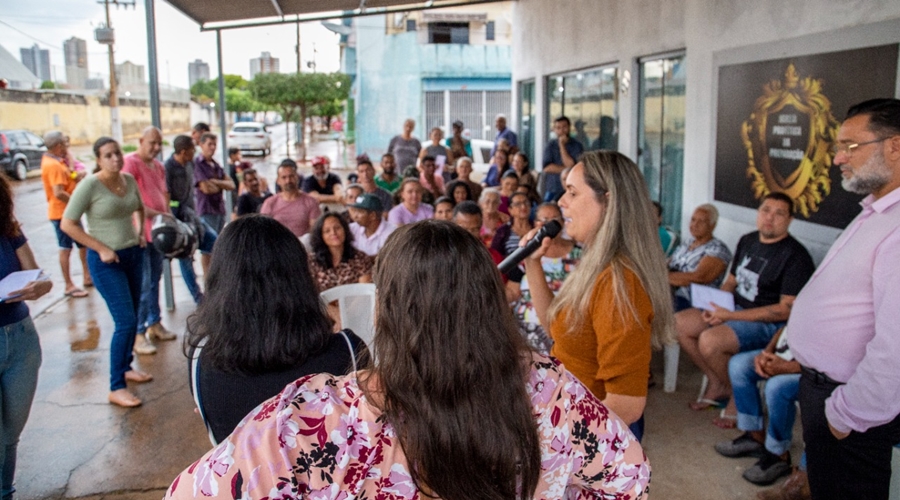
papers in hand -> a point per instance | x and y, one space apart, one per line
16 281
702 296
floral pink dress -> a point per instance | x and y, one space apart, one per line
321 439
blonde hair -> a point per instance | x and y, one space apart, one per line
626 238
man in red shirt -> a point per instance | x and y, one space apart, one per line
150 175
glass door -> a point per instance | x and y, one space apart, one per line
661 132
527 120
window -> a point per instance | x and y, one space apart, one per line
527 119
661 118
489 31
448 33
410 25
589 99
475 108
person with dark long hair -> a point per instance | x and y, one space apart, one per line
110 199
20 348
616 304
335 261
261 324
456 407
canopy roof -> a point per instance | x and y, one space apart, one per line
227 14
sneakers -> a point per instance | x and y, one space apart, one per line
769 468
142 345
741 446
159 332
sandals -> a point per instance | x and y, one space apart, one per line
76 293
725 421
138 376
705 403
124 398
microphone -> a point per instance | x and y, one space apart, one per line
549 230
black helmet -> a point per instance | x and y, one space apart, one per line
173 238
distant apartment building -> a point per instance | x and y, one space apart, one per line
436 66
95 84
15 73
129 73
37 60
75 50
265 63
197 70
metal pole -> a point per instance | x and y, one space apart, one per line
298 47
223 133
155 118
115 122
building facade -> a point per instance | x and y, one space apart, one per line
265 63
75 51
717 101
130 74
197 70
435 66
37 60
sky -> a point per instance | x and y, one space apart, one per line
179 40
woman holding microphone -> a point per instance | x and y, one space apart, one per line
616 303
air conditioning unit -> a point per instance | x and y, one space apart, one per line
104 35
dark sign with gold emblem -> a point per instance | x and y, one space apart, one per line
777 121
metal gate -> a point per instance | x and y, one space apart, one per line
475 108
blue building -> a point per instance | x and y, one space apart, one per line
433 66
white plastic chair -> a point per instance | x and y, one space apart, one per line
671 353
357 307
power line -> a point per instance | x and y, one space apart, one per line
48 44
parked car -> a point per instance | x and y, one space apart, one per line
20 151
250 136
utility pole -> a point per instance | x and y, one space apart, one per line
298 46
106 35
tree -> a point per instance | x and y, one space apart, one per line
299 92
204 91
328 110
47 84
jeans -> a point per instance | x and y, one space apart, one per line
119 283
20 358
207 240
781 398
215 221
148 310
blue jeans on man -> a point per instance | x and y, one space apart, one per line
148 310
20 358
119 283
207 240
781 398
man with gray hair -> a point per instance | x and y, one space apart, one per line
59 179
503 133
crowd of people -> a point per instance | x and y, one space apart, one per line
279 389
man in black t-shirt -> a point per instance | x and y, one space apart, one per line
768 271
253 198
324 186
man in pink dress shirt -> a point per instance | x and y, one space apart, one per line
845 324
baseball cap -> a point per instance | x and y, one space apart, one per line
370 202
320 160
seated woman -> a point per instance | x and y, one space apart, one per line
506 239
499 166
702 259
261 323
335 261
560 260
459 191
492 217
425 421
410 208
443 208
509 183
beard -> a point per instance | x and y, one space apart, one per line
870 177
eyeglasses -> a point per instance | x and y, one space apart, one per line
847 149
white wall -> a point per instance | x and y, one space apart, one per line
564 35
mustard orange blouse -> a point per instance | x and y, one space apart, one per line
610 352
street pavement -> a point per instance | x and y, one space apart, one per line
76 445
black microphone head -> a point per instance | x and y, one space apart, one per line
549 230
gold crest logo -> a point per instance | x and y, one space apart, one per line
788 139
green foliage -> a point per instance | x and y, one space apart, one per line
241 101
204 90
328 109
129 148
47 84
235 82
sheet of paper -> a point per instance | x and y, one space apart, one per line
702 295
17 281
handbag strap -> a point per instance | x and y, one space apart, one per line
349 346
194 375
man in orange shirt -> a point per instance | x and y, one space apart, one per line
59 181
